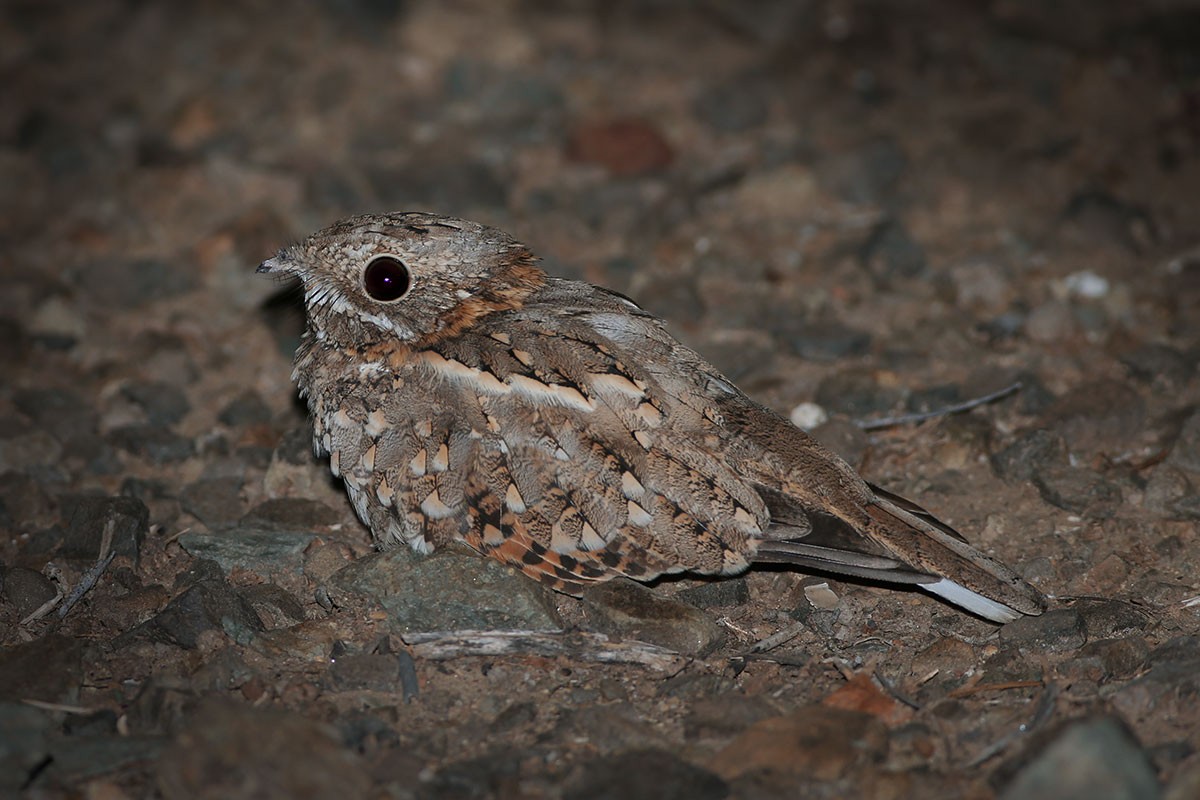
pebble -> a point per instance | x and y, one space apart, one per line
1057 630
609 728
207 605
815 743
213 501
1031 453
120 283
1108 619
725 716
1050 322
49 669
155 444
1078 489
807 416
449 590
128 516
276 607
720 593
624 775
26 589
1185 453
24 745
1170 494
298 513
61 412
1160 364
1117 659
233 752
856 392
23 501
865 176
266 551
732 107
625 147
1096 757
890 252
493 774
376 672
163 404
624 609
825 341
247 409
1102 416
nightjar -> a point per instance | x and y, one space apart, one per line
465 395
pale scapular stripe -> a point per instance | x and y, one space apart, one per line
486 383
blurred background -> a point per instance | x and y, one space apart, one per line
855 208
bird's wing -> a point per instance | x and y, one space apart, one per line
824 516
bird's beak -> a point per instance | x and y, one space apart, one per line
276 264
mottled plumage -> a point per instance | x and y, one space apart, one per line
465 395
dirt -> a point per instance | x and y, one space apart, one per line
879 209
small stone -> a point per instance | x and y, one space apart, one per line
890 252
816 742
609 728
624 775
374 672
1099 416
826 341
23 501
1119 659
1107 619
1057 630
493 774
154 443
208 605
49 669
1077 489
1159 364
449 590
128 516
267 551
163 404
807 416
132 283
213 501
726 715
1170 494
1031 453
1185 453
628 610
24 749
1097 757
867 175
296 513
625 147
276 607
732 107
30 451
233 752
856 392
61 412
245 410
1050 322
27 590
716 593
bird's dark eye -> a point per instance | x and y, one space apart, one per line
386 279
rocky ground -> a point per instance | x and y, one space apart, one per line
874 208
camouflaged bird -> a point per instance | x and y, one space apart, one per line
465 395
